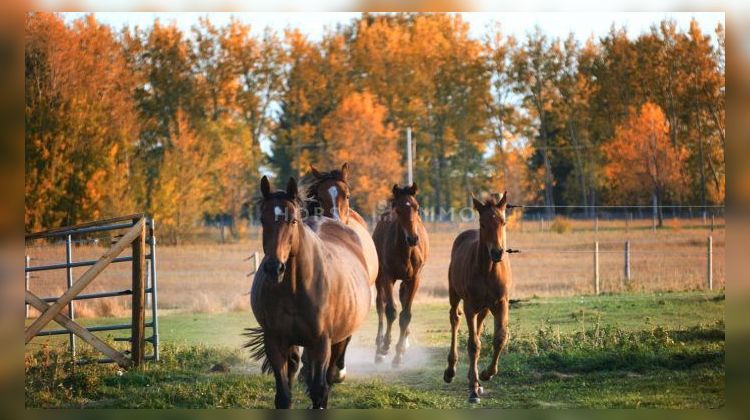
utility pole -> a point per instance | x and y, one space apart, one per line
410 171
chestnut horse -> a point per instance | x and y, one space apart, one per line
402 245
479 274
327 194
312 290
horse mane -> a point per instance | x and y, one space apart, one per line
309 184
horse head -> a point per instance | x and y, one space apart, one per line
280 217
331 191
492 225
406 208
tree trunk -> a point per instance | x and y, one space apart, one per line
659 209
579 163
549 200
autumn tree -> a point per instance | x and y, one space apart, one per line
536 70
178 199
642 155
80 122
357 133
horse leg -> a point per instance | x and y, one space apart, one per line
473 345
390 314
317 381
337 367
380 306
455 317
406 296
305 364
293 363
279 359
480 321
500 340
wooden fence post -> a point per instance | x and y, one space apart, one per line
710 265
627 260
596 267
138 343
28 277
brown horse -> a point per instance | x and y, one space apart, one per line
312 290
479 274
327 194
402 245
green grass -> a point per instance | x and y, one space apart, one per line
648 350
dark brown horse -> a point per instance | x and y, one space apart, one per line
402 245
327 194
312 290
479 274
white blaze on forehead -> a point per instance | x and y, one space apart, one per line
334 192
278 212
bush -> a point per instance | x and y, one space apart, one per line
561 225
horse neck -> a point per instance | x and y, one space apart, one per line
302 260
482 256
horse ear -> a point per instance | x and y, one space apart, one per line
315 172
345 171
395 190
291 188
265 187
503 201
413 189
477 204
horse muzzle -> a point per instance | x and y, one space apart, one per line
496 255
274 267
412 240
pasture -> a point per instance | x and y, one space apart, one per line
621 350
654 341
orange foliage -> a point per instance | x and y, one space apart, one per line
358 135
641 157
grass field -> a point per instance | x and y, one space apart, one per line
613 350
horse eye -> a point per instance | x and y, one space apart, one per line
294 221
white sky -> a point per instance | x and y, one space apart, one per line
557 24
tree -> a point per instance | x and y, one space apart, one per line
536 70
179 196
357 133
641 154
80 122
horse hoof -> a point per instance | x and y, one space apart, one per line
448 375
480 390
379 358
485 376
396 363
474 400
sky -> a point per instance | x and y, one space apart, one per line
558 24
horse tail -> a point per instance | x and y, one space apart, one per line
257 347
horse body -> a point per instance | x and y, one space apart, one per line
328 194
312 291
479 276
323 293
402 246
